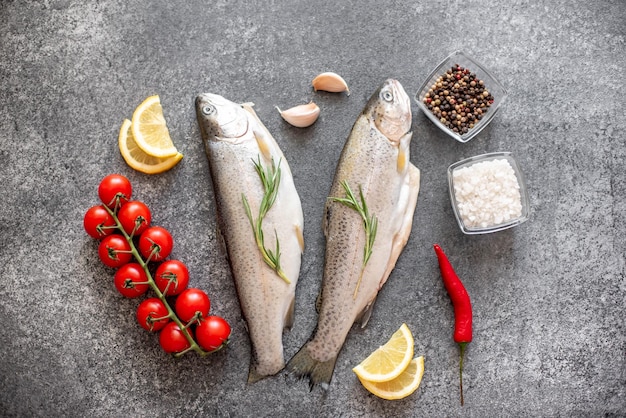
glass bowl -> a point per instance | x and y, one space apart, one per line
498 92
485 197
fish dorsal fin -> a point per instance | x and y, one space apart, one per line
318 302
221 240
367 313
289 317
326 217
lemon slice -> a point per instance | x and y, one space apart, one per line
139 160
402 386
150 130
389 360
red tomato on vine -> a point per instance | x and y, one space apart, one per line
155 243
212 332
114 251
114 190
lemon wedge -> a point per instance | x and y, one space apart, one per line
388 361
136 158
402 386
150 130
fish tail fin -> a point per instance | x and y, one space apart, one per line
319 372
254 376
257 373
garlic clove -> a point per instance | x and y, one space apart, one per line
301 116
331 82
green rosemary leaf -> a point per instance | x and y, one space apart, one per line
270 179
370 223
246 205
373 222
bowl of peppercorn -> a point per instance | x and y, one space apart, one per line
460 96
488 193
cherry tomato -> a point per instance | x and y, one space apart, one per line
114 190
171 277
172 339
135 217
114 251
152 314
98 222
212 332
191 301
131 280
155 243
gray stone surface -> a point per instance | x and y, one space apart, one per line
548 296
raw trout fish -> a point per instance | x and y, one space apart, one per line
375 167
239 149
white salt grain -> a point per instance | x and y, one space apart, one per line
487 193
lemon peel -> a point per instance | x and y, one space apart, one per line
137 159
389 360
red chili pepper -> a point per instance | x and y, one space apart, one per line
462 307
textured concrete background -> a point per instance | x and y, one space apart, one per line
549 296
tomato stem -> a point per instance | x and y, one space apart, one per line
144 265
129 284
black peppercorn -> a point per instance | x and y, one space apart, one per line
458 99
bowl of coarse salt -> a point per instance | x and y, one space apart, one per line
488 193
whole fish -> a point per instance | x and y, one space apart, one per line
375 167
240 149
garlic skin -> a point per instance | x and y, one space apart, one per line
301 116
331 82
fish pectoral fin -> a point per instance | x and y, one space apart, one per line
364 317
289 316
403 152
262 142
299 236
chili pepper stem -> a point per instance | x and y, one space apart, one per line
462 347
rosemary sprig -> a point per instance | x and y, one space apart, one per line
270 178
370 222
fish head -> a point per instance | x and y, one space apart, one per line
220 119
389 109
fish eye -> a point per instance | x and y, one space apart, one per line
387 96
208 110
